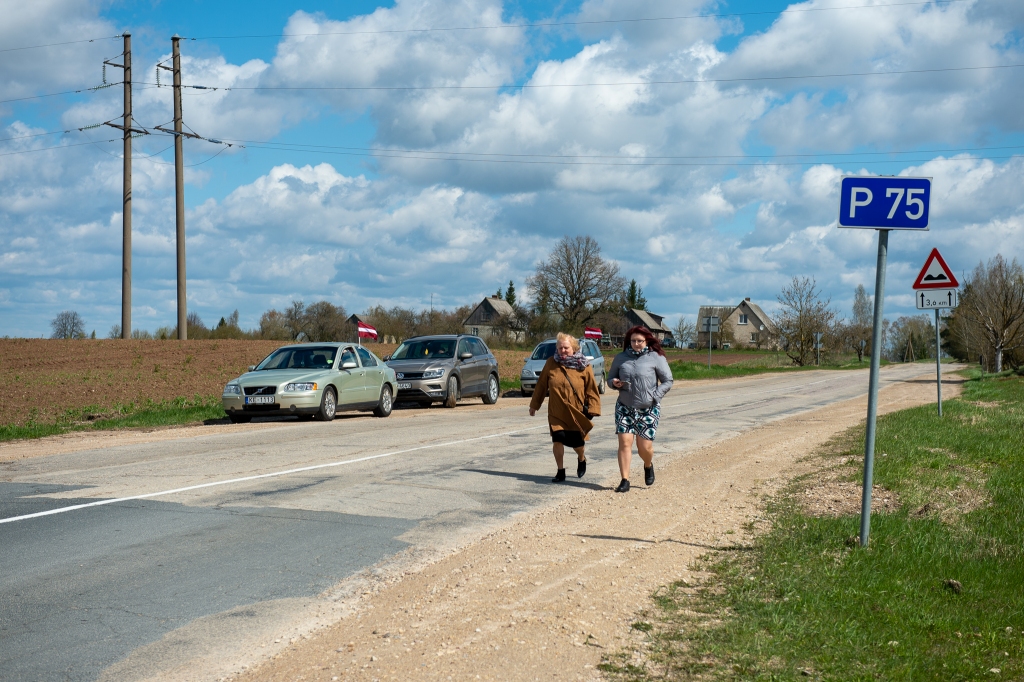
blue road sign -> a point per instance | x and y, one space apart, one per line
877 203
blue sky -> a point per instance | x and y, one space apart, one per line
708 190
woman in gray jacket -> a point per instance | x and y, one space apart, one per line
642 376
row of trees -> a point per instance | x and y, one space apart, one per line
988 325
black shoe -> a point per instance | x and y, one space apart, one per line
623 486
649 475
581 468
559 477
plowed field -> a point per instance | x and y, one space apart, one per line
41 378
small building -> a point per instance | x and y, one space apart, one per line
744 325
635 317
494 317
655 323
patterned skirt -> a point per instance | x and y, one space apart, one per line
643 423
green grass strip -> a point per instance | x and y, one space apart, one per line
148 414
802 603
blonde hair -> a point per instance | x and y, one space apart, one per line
573 341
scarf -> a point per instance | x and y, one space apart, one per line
576 361
637 353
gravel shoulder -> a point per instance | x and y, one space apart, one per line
553 591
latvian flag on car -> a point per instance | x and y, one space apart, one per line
592 333
366 331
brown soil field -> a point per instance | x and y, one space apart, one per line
43 378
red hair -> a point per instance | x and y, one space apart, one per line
652 340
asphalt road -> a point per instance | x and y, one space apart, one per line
271 521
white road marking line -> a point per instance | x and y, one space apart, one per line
274 474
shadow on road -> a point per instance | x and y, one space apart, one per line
528 478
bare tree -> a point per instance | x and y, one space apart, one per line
993 303
324 321
295 320
684 331
68 325
909 337
803 313
859 328
575 282
273 326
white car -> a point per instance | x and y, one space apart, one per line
533 365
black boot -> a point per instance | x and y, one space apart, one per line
581 468
623 486
649 474
559 477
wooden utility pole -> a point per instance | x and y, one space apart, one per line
179 191
126 208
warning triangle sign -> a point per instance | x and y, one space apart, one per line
935 274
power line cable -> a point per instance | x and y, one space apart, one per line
531 86
457 155
556 24
639 163
66 92
61 146
69 42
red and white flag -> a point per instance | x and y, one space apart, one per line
366 331
592 333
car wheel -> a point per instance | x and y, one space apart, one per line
603 386
493 391
452 397
328 405
239 419
385 404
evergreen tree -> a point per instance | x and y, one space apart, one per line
510 294
634 297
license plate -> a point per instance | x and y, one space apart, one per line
259 400
403 386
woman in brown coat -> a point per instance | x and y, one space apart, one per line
568 381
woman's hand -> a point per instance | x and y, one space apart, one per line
533 412
616 383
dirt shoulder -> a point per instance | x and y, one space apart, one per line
552 592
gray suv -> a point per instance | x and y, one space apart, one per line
445 368
545 349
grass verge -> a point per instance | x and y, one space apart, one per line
938 595
150 413
762 365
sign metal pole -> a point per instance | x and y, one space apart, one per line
876 353
938 361
709 343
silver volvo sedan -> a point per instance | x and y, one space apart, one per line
312 380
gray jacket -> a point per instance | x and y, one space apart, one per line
649 378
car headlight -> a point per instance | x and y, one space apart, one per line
300 387
527 373
433 374
232 389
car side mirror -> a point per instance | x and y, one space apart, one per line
349 365
252 368
387 357
465 356
526 359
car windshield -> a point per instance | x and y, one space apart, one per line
302 357
543 351
425 349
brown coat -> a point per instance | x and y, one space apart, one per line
567 389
